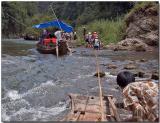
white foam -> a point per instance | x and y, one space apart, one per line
40 113
108 75
4 116
40 89
13 94
31 113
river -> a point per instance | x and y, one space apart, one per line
35 86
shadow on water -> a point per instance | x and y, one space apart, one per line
17 47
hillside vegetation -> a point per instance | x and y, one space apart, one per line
19 17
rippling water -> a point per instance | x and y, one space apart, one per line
35 86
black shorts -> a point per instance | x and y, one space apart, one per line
96 47
87 40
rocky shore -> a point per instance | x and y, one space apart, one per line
141 33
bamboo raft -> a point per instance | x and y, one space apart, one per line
87 108
62 49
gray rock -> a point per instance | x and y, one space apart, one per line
129 66
111 66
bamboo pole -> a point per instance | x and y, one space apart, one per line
57 50
100 87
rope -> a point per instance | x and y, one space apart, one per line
55 16
100 86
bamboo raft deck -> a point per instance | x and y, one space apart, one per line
87 108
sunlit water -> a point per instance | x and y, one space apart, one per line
35 86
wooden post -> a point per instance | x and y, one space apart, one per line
113 107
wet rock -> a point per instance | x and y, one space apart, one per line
117 87
133 44
129 66
141 74
143 60
131 62
147 75
111 66
74 51
114 72
140 47
150 38
155 76
119 48
102 74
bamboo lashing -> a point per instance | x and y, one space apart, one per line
100 87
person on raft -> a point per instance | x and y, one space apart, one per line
58 34
44 35
59 37
139 97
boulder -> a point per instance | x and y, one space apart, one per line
142 60
130 44
102 74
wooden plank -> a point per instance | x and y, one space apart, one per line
114 108
87 108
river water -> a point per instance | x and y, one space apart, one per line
35 86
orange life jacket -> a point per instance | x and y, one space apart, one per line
48 40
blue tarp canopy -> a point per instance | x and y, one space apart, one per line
55 23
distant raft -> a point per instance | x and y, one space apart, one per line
87 108
62 48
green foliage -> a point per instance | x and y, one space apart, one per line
109 31
15 16
74 13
